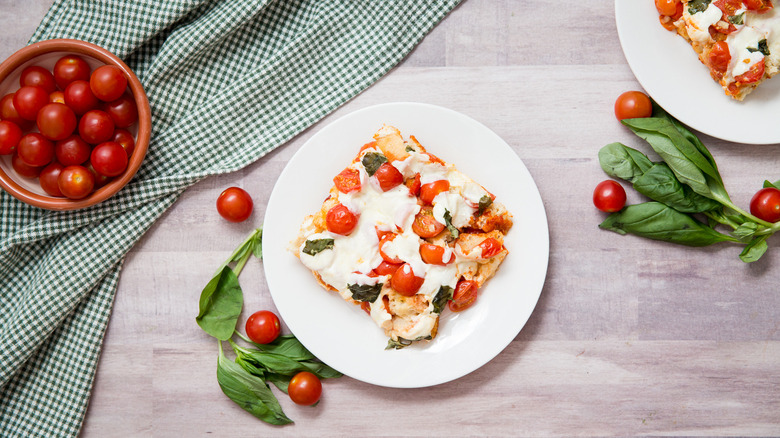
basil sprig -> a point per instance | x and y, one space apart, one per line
246 380
448 222
371 161
684 186
316 246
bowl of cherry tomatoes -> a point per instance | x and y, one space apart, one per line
75 124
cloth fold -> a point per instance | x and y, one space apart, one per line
228 81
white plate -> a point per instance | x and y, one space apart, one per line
671 73
341 334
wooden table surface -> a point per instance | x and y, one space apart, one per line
629 337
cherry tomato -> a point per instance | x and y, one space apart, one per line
425 225
8 111
759 6
347 181
78 96
305 388
465 295
389 237
57 97
405 282
23 168
29 100
753 75
667 7
76 182
490 247
434 254
37 76
72 150
765 204
720 57
413 184
609 196
123 111
235 204
386 268
109 158
10 134
340 220
388 176
100 180
96 127
49 177
126 139
35 150
430 190
263 327
633 105
70 68
108 83
56 121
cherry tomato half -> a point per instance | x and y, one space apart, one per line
759 6
10 134
465 295
263 327
609 196
386 268
76 182
633 105
235 204
126 139
71 151
425 225
70 68
388 177
413 184
96 127
49 179
37 76
109 158
490 247
667 7
78 96
434 254
719 56
29 100
430 190
405 282
123 111
347 181
753 75
340 220
382 242
108 83
765 204
56 121
305 388
35 150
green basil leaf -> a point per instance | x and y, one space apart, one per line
621 161
365 292
316 246
399 344
249 391
287 345
220 305
762 47
745 230
321 370
280 381
654 220
409 149
739 19
685 132
250 367
442 296
371 161
484 203
695 6
754 250
275 363
448 221
660 184
257 244
775 184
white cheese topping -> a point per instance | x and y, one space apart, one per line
698 24
769 24
460 211
742 59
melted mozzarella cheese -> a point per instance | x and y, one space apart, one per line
698 24
740 43
460 211
769 24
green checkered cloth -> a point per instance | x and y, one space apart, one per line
228 81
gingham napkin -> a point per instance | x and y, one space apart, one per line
228 81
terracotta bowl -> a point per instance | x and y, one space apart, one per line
46 54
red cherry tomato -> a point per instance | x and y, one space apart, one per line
49 178
96 127
753 75
56 121
425 225
76 182
29 100
430 190
389 237
10 134
235 204
386 268
347 181
609 196
57 97
305 388
109 158
759 6
123 111
667 7
413 184
765 204
405 282
340 220
388 177
108 83
78 96
71 151
633 105
720 57
70 68
8 111
126 139
37 76
100 180
263 327
23 168
465 295
490 247
434 254
35 150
